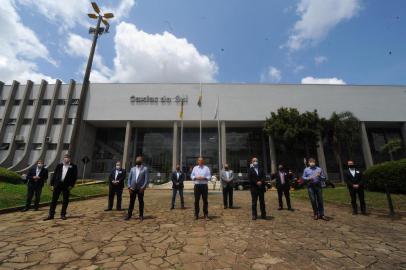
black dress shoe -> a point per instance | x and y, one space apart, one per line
280 208
24 209
127 218
206 217
254 218
141 218
108 209
48 218
63 217
355 213
263 216
225 207
172 207
119 209
291 209
183 208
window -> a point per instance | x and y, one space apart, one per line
65 146
2 102
4 146
42 121
61 102
52 146
71 121
57 121
46 102
37 146
17 102
26 121
20 146
30 102
11 122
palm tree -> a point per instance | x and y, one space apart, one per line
341 130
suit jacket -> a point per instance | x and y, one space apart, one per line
174 179
253 178
288 179
43 174
223 177
141 182
357 179
70 178
120 178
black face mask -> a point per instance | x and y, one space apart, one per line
351 166
226 168
138 163
178 169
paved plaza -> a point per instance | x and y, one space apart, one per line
94 239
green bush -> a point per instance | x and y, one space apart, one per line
392 173
9 176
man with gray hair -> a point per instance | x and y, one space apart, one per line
227 182
201 175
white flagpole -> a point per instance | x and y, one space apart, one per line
219 133
201 116
181 144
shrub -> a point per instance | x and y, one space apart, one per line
9 176
392 173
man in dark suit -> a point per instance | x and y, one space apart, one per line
283 179
256 177
177 178
116 186
36 178
355 183
138 180
227 182
63 180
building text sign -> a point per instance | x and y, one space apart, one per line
156 100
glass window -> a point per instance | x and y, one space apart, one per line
17 102
30 102
37 146
108 149
11 122
52 146
20 146
57 121
46 102
42 121
26 121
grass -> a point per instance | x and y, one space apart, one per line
12 195
340 195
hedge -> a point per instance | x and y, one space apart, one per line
393 173
9 176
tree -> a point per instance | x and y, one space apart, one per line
296 131
341 130
392 147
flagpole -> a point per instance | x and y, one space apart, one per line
219 133
201 116
181 144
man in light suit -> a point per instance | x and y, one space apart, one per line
63 180
138 180
227 182
36 178
116 186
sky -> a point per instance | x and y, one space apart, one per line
221 41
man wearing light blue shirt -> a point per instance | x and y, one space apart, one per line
137 183
201 175
313 177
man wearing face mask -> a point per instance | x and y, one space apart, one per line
201 175
282 179
256 177
63 180
36 178
227 182
116 186
138 180
355 183
313 177
177 185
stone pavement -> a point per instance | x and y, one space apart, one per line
94 239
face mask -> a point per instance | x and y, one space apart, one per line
312 164
351 166
226 168
40 165
255 163
281 168
178 169
118 167
66 160
138 163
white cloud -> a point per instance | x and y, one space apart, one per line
317 18
272 74
19 48
312 80
318 60
68 14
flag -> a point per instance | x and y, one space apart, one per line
217 109
181 109
199 102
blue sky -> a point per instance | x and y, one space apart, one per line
255 41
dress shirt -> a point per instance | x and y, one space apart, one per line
201 171
64 171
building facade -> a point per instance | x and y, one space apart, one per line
121 121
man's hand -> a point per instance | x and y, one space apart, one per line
51 188
259 183
142 190
130 190
177 184
355 186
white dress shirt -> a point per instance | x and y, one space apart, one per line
115 177
64 171
202 171
38 171
137 171
282 176
352 171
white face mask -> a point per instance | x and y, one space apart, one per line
312 164
255 163
118 167
39 165
66 160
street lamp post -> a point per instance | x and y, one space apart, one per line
98 30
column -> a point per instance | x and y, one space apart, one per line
321 156
272 154
175 146
366 150
403 130
223 143
127 140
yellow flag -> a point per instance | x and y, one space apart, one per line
181 109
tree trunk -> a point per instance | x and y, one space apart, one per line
340 166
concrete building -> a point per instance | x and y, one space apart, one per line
121 121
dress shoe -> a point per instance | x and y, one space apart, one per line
291 209
323 218
225 207
63 217
254 218
173 207
263 217
108 209
280 208
316 217
141 218
48 218
24 209
127 218
206 217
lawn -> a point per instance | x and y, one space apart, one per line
14 195
340 195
